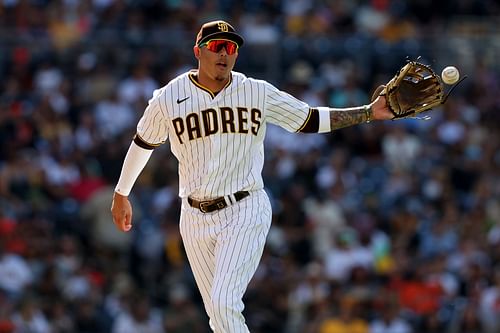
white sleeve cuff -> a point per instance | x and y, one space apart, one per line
324 120
135 160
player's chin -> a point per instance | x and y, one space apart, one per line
222 75
221 78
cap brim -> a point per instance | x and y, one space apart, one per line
232 36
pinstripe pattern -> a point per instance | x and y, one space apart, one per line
221 163
223 249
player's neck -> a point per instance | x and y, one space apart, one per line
213 85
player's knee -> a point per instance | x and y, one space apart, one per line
220 305
224 306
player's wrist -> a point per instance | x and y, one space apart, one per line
368 110
118 195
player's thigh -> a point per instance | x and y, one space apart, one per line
240 244
198 230
199 239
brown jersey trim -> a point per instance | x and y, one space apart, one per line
192 77
311 125
143 144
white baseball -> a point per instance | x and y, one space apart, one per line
450 75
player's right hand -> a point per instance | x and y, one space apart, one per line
380 109
121 209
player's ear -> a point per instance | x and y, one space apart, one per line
196 51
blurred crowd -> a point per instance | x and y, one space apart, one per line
387 227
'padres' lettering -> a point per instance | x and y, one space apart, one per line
210 123
193 126
227 117
256 117
242 120
178 124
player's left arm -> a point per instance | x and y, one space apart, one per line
152 127
325 119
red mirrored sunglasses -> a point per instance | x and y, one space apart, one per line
215 45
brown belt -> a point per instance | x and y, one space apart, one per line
207 206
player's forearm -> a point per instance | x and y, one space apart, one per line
135 161
345 117
325 119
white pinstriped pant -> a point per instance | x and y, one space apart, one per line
224 249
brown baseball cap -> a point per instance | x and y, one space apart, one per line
218 29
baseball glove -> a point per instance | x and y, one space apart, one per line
414 89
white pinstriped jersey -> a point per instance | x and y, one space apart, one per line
218 140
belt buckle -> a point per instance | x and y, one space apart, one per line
203 204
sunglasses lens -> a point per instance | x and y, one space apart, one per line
231 47
217 45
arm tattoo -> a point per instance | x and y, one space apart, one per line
340 118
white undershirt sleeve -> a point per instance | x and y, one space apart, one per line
325 125
135 160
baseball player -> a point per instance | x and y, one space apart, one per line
216 121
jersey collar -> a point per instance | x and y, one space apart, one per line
193 77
